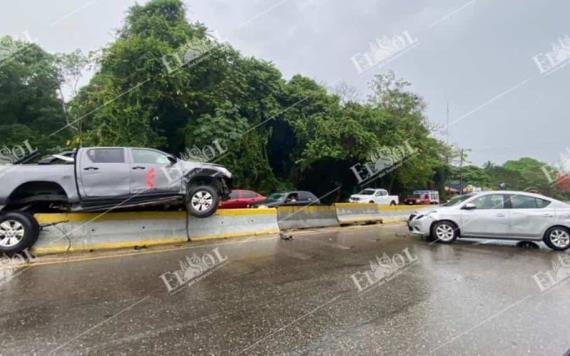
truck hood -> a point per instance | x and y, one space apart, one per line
189 166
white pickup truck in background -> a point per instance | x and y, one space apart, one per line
375 196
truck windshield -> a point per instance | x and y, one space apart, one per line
367 192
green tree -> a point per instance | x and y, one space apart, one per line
30 108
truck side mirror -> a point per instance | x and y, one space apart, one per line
172 160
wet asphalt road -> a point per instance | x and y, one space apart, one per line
296 297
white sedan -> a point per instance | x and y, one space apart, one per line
497 215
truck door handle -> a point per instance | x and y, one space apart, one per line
139 167
91 169
501 215
549 215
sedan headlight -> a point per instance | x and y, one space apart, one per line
429 213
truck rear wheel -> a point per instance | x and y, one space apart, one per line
18 231
202 201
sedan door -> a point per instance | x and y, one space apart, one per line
292 199
489 218
234 202
248 198
308 198
530 217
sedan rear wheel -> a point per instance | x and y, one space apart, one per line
445 232
558 238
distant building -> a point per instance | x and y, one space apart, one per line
562 183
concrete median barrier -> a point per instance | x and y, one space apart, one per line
400 213
77 232
303 217
355 213
80 232
234 223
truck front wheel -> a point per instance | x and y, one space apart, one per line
18 231
202 201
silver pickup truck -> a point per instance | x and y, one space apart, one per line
101 179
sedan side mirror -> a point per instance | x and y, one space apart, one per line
469 206
172 160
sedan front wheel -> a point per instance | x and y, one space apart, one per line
445 232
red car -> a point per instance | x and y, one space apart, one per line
240 199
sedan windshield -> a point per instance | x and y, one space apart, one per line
276 197
459 199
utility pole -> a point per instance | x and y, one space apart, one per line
447 129
447 149
461 158
447 124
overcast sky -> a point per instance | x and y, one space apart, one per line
476 55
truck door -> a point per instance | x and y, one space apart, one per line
381 197
152 172
103 173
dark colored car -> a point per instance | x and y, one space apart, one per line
240 199
296 198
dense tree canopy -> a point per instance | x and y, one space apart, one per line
525 174
29 106
166 83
